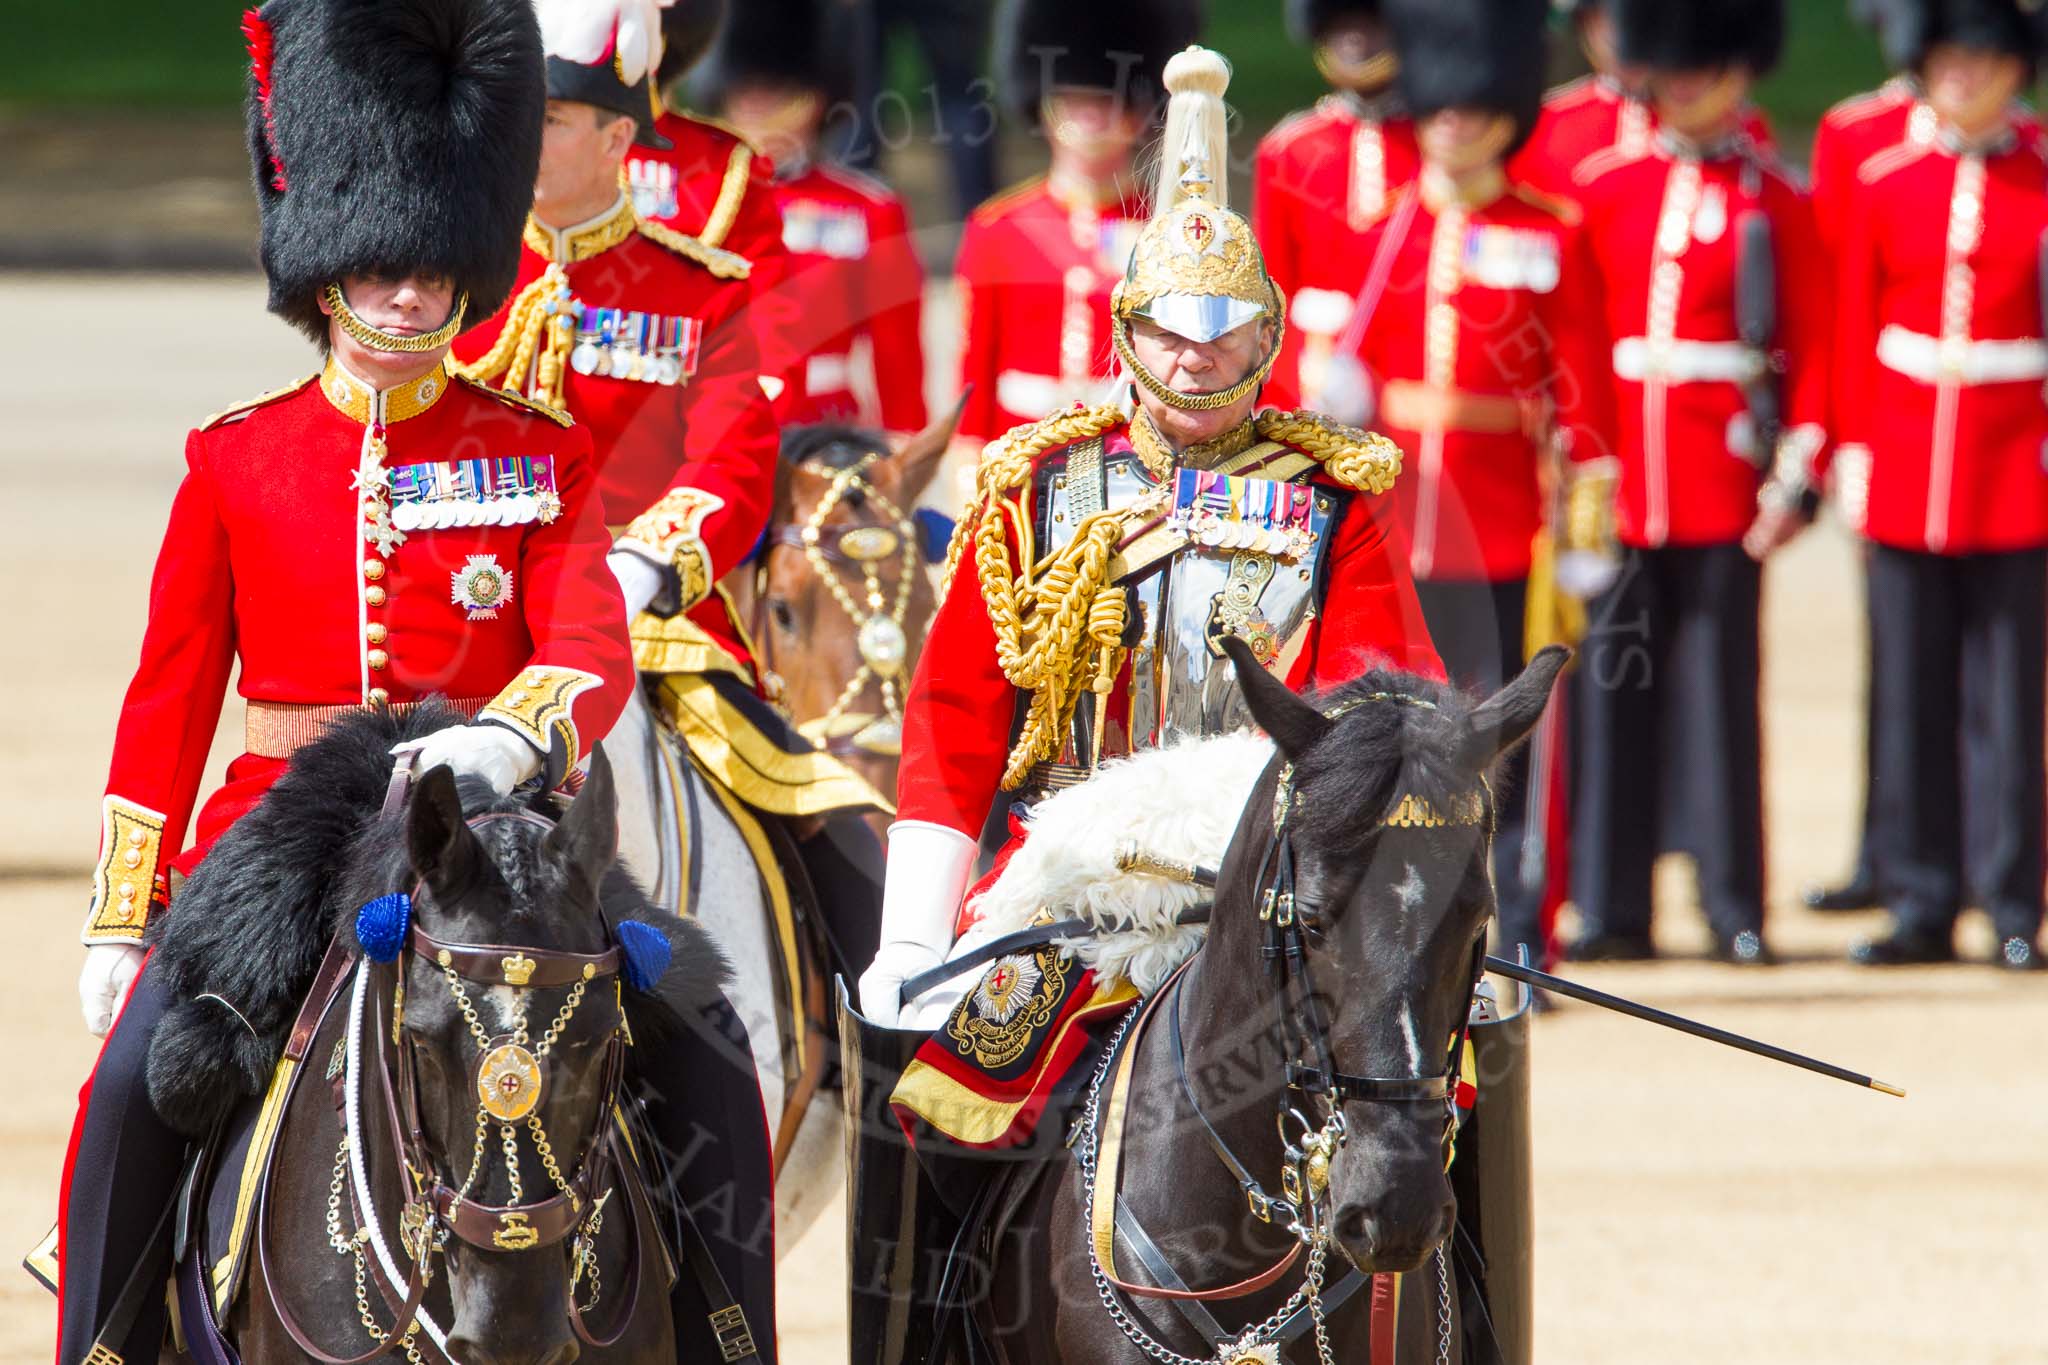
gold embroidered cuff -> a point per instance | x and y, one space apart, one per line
126 885
671 533
537 705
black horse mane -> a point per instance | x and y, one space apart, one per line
252 923
1376 754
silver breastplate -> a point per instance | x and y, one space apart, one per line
1177 680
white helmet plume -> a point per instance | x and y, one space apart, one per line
1194 152
588 31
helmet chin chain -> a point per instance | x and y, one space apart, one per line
377 339
1120 333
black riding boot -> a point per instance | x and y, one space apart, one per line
703 1102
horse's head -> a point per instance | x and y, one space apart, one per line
1384 822
510 1054
841 593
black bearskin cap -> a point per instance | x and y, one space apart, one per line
1476 54
1120 45
391 137
688 29
802 44
1909 29
1692 35
1306 19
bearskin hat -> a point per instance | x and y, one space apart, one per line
391 137
1908 29
803 44
688 29
1306 19
1681 35
1475 54
1119 45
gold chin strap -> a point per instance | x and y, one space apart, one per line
1120 331
1368 77
378 339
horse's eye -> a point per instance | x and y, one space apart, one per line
785 619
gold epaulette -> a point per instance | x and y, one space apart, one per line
234 410
1007 463
1356 458
518 400
1562 209
727 265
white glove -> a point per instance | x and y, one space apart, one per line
491 752
109 968
1585 574
929 867
640 578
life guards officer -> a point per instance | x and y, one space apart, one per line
1197 349
308 540
848 271
1321 187
1942 367
1481 276
1712 317
1603 109
639 331
1037 262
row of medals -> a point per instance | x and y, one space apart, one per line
623 360
516 509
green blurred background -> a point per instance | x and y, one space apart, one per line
187 54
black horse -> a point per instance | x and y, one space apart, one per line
493 1185
1350 920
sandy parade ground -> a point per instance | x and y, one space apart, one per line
1693 1204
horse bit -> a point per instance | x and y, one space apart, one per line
1302 1209
510 1080
883 643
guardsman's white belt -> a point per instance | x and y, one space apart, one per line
827 374
1959 360
1042 394
1688 362
279 729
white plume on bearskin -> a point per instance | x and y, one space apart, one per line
587 31
1180 803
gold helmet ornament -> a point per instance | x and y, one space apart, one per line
1196 269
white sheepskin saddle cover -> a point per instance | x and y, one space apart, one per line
1180 803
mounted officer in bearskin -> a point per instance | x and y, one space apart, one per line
378 533
1109 555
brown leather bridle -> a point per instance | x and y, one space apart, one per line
433 1209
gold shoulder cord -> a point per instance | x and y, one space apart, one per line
727 265
1364 460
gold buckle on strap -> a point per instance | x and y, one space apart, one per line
735 1340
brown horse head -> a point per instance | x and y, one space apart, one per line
841 594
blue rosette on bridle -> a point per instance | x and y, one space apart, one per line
382 925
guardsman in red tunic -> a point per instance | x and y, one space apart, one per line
1037 262
1482 277
313 540
1941 371
1602 110
1321 186
980 730
640 333
848 271
1712 317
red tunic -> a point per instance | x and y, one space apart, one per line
851 271
1466 401
266 561
712 432
957 718
1321 185
1035 270
1665 328
1591 115
1941 305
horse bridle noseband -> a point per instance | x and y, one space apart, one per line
509 1082
1312 1075
883 639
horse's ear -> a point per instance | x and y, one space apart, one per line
1294 724
918 459
1498 723
587 839
444 852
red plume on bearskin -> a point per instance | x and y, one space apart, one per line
262 46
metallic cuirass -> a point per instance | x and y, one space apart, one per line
1177 681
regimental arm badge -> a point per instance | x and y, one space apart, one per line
482 586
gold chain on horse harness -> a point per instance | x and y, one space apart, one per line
883 643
